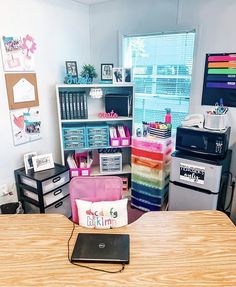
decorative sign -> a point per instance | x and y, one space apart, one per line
70 80
220 79
192 173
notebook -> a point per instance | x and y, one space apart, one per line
99 247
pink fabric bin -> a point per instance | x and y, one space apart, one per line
100 188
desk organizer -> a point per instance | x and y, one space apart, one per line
110 162
215 122
160 132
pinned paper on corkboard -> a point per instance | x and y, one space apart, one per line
26 125
22 90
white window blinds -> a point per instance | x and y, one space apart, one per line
162 70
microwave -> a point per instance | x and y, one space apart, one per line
201 141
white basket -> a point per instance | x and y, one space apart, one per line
215 122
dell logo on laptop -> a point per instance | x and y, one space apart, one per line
101 245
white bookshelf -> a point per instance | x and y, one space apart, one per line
94 107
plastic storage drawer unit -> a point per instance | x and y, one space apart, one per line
97 136
110 162
74 138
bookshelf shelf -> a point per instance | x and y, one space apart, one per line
95 170
95 118
77 112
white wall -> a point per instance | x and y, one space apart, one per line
214 20
61 31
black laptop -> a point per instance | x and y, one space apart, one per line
99 247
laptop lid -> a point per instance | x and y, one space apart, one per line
99 247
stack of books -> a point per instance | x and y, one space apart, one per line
73 105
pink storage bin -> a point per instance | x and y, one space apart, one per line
80 171
94 189
125 141
155 145
115 141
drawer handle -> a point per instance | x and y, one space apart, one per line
56 179
58 204
57 192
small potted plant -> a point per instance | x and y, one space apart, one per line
88 71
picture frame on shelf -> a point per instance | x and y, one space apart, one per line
106 72
28 161
117 75
127 75
43 162
71 69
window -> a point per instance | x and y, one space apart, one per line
162 70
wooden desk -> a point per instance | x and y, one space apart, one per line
167 249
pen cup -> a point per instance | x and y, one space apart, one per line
215 122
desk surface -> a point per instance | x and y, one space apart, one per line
195 248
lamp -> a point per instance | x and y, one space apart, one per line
96 93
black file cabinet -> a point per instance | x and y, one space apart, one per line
44 191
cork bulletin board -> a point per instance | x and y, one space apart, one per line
22 91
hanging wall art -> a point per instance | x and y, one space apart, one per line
220 80
18 53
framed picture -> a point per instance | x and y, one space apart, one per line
106 72
71 69
127 75
42 162
28 161
117 75
22 91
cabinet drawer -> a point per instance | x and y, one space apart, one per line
51 197
49 184
74 138
73 131
74 145
62 207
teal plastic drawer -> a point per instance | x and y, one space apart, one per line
97 136
74 138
